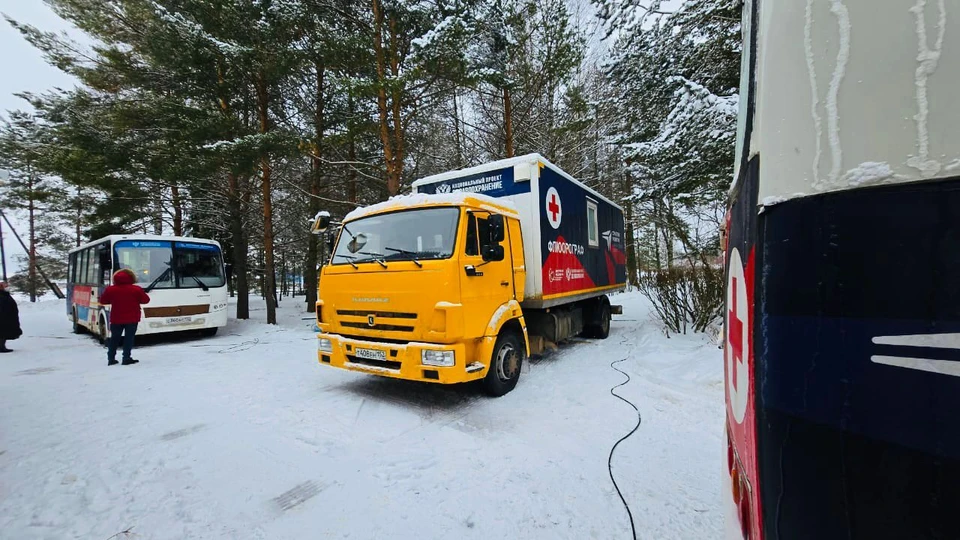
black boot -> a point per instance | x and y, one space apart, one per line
112 362
129 362
3 346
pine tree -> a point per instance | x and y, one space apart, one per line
22 149
675 78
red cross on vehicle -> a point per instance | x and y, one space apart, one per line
735 332
553 207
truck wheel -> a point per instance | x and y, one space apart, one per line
505 365
209 332
599 327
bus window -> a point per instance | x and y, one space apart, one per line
83 257
199 263
103 259
93 274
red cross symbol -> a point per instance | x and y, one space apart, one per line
736 332
553 207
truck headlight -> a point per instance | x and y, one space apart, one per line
324 345
437 358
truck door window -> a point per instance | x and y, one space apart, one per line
478 235
473 246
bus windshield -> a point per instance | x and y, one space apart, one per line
172 265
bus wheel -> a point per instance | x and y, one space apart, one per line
505 365
102 333
77 328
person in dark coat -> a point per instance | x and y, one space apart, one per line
125 299
9 318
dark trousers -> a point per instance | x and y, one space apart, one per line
118 332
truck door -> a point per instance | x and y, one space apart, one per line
485 285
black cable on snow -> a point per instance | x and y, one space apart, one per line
633 527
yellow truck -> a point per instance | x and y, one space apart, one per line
470 274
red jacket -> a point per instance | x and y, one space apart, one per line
125 297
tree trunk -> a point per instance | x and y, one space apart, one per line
315 180
79 215
158 212
31 206
508 122
382 108
236 197
632 275
352 157
177 210
456 131
3 253
263 111
283 275
668 232
393 181
240 247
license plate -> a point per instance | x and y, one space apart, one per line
178 320
371 354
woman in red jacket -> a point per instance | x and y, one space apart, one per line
126 298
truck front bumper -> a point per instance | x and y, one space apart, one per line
397 360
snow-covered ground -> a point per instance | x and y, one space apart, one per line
246 436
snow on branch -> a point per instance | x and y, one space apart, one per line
188 28
697 114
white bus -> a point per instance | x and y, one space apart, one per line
185 278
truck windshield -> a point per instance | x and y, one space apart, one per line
428 233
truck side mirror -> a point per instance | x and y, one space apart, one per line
497 230
321 222
493 253
331 242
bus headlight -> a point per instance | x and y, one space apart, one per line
324 345
437 358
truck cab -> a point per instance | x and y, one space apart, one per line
427 288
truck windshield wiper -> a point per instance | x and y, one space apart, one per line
348 258
378 257
413 256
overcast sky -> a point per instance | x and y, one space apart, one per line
22 65
23 69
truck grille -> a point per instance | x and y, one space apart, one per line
384 321
384 314
384 327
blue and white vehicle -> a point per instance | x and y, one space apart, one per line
185 277
842 346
